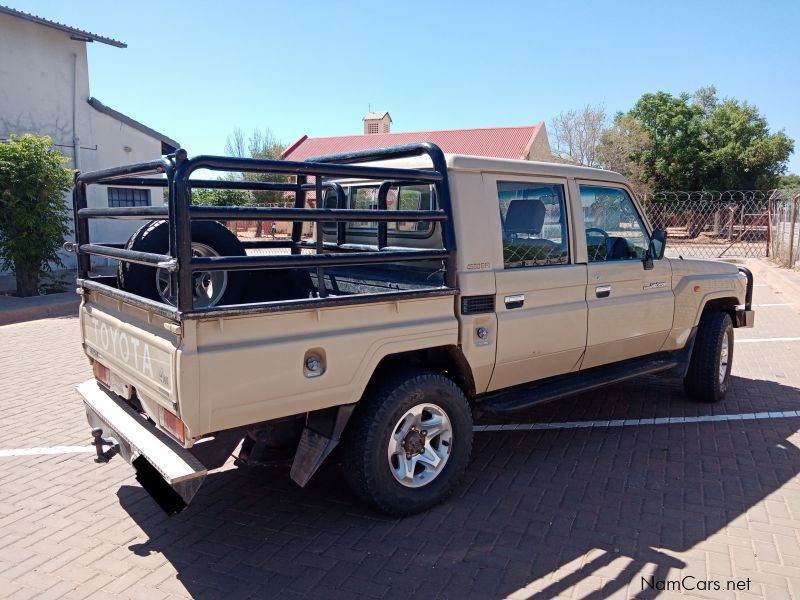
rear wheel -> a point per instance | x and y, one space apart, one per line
209 288
708 377
408 442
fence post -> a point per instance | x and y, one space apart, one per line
791 231
769 220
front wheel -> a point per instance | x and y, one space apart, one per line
408 442
709 374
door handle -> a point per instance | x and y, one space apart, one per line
515 301
602 291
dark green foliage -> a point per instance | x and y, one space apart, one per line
33 211
790 181
697 143
212 197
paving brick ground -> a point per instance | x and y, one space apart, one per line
572 513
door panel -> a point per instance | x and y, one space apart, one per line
636 315
630 307
541 295
545 336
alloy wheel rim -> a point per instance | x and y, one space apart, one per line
420 445
208 287
724 358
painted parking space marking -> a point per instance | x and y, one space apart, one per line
42 451
775 304
775 339
786 414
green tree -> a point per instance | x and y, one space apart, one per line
215 197
789 181
742 154
33 212
696 142
675 158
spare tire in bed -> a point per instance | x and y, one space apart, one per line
210 288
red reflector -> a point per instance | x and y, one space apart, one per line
173 424
101 373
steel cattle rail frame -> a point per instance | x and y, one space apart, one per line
175 171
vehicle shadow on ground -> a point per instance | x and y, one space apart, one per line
597 508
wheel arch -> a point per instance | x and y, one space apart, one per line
726 304
448 360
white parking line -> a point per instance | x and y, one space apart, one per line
50 450
785 414
776 304
637 422
775 339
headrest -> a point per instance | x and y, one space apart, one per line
524 216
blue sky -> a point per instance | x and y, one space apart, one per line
196 70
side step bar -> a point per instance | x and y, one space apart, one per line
528 395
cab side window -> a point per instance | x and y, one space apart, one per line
614 230
534 221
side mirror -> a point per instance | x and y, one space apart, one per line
658 243
655 251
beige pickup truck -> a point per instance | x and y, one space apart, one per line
417 291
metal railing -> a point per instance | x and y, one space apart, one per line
175 171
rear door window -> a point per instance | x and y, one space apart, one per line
534 221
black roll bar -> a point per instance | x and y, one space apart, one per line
287 261
178 168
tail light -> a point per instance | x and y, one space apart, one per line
173 424
101 373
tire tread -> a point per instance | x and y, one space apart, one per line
702 378
379 400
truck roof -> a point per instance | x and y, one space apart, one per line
461 162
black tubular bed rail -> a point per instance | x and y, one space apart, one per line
174 172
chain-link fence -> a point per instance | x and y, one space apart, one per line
784 234
712 224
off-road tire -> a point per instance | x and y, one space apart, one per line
702 381
366 438
154 237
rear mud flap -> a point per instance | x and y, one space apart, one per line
164 469
320 436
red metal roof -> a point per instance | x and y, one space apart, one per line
497 142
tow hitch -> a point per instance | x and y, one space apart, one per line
99 442
166 470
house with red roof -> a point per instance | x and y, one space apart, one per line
527 142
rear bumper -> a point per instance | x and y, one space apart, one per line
166 470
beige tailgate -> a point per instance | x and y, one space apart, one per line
136 352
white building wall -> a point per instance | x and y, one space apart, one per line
112 137
39 67
44 81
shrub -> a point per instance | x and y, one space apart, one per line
33 212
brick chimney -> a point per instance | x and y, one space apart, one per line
377 122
